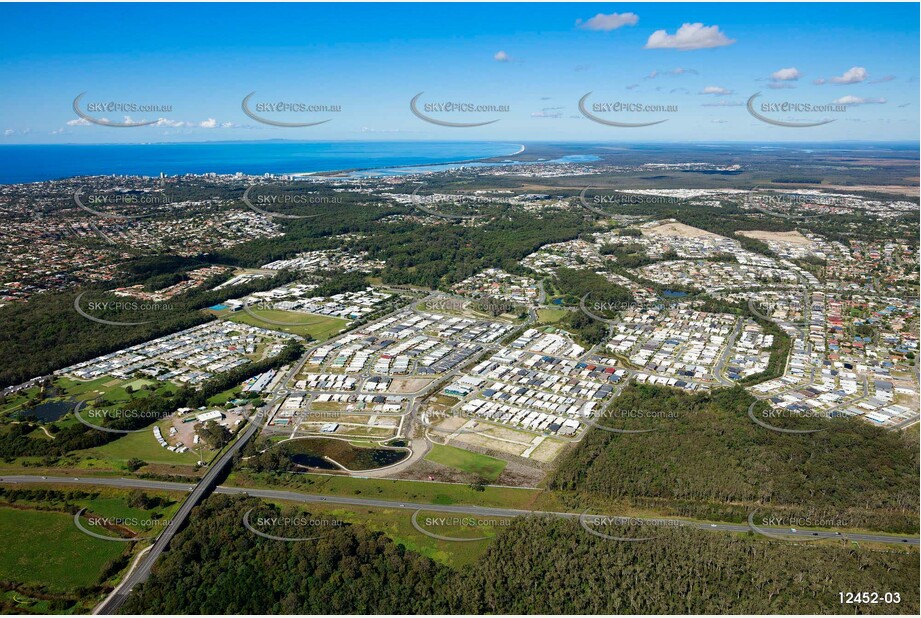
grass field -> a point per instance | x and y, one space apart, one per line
43 548
112 390
136 384
68 388
484 466
319 327
225 396
107 393
144 446
13 402
396 524
550 316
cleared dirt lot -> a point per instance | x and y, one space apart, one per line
548 450
408 385
793 238
893 189
678 229
488 442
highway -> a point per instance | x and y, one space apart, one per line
484 511
142 571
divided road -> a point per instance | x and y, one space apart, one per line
483 511
141 572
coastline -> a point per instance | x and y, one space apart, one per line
280 159
344 173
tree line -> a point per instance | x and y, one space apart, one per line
535 566
703 457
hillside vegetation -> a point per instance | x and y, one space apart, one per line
706 458
534 566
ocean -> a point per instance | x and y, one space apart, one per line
34 163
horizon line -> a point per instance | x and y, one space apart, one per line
453 141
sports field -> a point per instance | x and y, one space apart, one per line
319 327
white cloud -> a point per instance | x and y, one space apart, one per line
675 72
717 90
169 123
786 75
549 112
780 85
9 132
501 56
210 123
606 23
884 78
853 75
723 103
852 100
166 122
819 81
689 37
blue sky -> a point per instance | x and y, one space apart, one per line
536 59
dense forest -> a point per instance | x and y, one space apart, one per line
216 566
602 298
536 565
705 458
429 254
